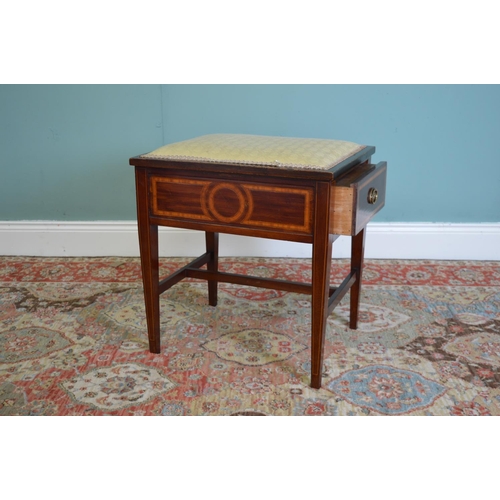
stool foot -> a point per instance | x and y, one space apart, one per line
316 381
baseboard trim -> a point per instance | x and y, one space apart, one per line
119 238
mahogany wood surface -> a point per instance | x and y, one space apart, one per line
357 257
212 244
148 245
245 204
321 261
295 205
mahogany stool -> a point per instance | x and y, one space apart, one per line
302 190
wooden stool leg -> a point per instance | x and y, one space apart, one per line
212 244
321 263
357 261
148 244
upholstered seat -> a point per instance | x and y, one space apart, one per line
268 151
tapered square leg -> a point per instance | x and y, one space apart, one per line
212 245
148 244
357 262
321 263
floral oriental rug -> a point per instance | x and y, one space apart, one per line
73 341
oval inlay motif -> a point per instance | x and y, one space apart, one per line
225 202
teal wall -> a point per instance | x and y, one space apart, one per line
65 149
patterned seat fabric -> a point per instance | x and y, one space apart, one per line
280 152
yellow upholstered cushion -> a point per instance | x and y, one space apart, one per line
319 154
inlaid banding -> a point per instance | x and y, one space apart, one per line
257 205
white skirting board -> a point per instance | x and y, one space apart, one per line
119 238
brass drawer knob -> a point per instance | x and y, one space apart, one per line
372 196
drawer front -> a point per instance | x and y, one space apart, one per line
240 204
357 198
370 196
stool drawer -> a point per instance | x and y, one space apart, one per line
356 198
